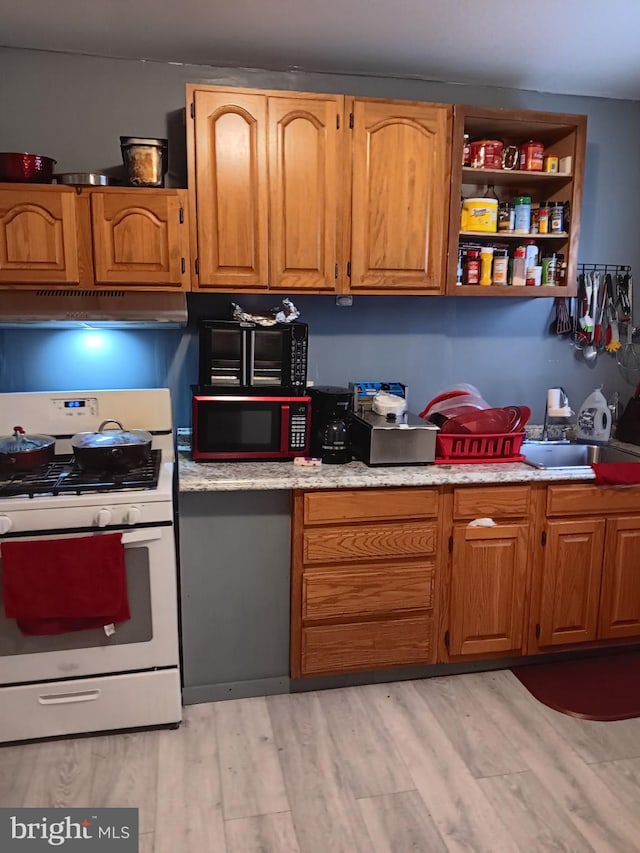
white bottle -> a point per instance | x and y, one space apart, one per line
594 420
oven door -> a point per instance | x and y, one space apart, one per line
223 355
148 640
268 357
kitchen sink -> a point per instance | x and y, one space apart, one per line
552 454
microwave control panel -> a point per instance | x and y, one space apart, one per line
298 429
298 372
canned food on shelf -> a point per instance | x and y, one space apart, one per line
532 156
486 154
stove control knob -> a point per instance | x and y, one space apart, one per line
5 524
134 515
104 516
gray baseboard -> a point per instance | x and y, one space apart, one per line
235 690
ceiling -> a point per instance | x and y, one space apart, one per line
585 47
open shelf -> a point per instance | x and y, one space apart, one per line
512 178
563 135
511 235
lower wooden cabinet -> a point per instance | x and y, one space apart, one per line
571 575
620 592
374 584
485 601
587 588
488 589
364 579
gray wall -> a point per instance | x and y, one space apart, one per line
74 108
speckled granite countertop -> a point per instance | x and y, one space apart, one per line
265 476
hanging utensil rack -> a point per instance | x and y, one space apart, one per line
605 268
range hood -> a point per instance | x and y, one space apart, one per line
94 309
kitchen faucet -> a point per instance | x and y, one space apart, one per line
556 406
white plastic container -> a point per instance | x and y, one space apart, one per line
594 420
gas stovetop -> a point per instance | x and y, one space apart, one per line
62 476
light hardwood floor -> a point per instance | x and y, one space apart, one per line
463 763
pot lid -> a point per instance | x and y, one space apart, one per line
20 442
111 437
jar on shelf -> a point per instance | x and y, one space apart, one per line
556 217
532 156
550 269
486 154
471 266
479 214
522 211
506 216
466 150
500 266
486 265
543 218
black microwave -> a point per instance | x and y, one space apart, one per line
237 357
234 427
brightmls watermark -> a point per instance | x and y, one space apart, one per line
79 830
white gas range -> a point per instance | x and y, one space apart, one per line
94 680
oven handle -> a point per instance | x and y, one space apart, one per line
68 698
141 536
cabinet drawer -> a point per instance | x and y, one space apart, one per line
369 504
366 645
367 541
499 501
592 500
355 592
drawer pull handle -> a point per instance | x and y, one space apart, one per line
67 698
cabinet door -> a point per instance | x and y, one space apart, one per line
488 585
571 577
38 237
401 166
304 191
231 189
139 238
620 595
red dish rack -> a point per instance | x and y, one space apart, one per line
461 448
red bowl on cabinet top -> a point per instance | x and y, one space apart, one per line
17 167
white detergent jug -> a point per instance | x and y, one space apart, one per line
594 420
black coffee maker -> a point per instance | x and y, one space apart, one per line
329 428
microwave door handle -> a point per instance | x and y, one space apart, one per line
249 358
285 423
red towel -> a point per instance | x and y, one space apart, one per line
617 473
58 585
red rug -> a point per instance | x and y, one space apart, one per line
606 687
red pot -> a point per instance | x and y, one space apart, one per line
26 168
21 452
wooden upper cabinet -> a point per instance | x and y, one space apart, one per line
400 196
620 595
488 589
38 235
305 193
228 169
140 237
318 193
571 576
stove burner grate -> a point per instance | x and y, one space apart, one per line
62 476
